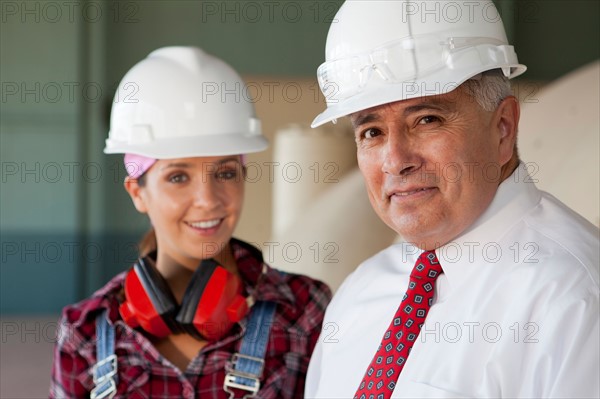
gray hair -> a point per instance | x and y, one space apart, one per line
488 88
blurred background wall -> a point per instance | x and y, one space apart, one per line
66 224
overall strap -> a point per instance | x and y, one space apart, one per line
105 370
246 366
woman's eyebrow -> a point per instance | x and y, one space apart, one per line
187 165
230 159
177 165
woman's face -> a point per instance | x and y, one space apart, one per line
194 205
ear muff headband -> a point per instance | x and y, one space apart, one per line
213 303
149 302
159 293
193 294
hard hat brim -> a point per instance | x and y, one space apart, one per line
390 93
195 146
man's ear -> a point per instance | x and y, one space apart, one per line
135 192
507 122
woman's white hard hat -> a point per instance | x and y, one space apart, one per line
182 102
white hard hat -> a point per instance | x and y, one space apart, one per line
380 52
182 102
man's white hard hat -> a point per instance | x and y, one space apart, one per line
379 52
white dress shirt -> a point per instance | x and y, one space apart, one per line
515 314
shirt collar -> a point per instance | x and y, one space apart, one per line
515 197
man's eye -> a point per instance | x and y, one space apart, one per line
370 133
428 119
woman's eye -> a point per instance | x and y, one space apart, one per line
178 178
428 119
227 174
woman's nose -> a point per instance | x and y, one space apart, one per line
205 193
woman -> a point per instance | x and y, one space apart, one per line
199 314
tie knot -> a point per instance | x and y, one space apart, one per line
427 266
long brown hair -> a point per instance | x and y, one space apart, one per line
148 243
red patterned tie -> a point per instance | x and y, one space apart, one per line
381 376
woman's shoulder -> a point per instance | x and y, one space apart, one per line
298 289
84 312
268 283
303 282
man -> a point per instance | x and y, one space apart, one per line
494 290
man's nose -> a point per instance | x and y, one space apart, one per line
401 156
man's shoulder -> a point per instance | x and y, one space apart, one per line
552 213
562 233
555 246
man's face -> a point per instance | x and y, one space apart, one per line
432 164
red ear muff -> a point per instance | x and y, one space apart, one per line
149 302
212 302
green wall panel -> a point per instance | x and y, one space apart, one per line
553 37
40 101
38 63
38 272
40 176
256 37
42 272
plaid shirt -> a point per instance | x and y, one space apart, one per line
144 373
